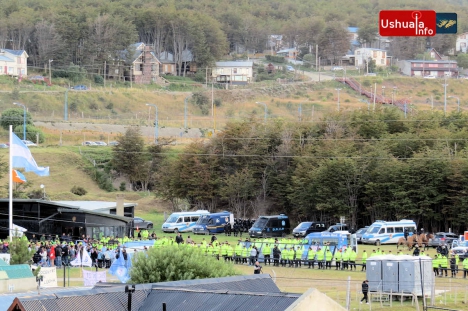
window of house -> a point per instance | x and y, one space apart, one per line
140 67
433 65
116 71
375 54
10 70
18 71
18 60
382 61
234 70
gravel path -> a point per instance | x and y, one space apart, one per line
113 128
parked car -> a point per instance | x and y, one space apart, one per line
29 143
140 223
304 228
360 233
89 143
429 77
336 68
36 78
461 250
290 68
80 87
3 146
100 143
113 143
443 238
338 227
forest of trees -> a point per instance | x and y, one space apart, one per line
361 165
89 32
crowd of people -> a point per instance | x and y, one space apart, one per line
285 252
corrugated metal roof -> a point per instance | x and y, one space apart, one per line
89 301
17 271
234 64
187 300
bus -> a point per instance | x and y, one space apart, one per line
182 221
388 232
213 223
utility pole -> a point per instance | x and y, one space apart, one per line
316 57
104 73
66 106
50 71
445 95
338 98
212 100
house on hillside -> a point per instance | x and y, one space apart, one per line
421 68
288 53
380 57
233 72
138 64
353 39
169 65
274 42
13 62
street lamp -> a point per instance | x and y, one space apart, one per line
338 98
445 95
393 94
155 123
185 111
24 119
265 106
458 102
50 73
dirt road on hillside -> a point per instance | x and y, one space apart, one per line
114 129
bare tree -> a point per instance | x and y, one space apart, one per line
47 40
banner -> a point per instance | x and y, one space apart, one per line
49 275
5 257
85 261
90 278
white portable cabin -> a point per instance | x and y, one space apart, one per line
400 274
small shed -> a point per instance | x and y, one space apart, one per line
401 274
270 68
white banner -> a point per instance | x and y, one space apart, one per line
5 257
49 275
90 278
85 261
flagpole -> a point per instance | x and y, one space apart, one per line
10 212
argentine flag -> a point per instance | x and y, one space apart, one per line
22 158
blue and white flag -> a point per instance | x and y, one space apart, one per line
119 268
22 157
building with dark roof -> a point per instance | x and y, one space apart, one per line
54 218
246 292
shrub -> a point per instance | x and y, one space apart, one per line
217 102
32 133
98 79
123 186
93 106
172 263
78 190
201 101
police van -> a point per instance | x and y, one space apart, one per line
388 232
213 223
182 221
270 226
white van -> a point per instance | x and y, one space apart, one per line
182 221
388 232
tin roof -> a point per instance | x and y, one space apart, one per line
17 271
234 64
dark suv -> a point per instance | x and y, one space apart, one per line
441 238
140 223
338 227
304 228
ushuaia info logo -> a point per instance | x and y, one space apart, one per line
407 23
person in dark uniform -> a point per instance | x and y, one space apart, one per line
257 268
405 234
416 250
365 290
276 255
453 266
